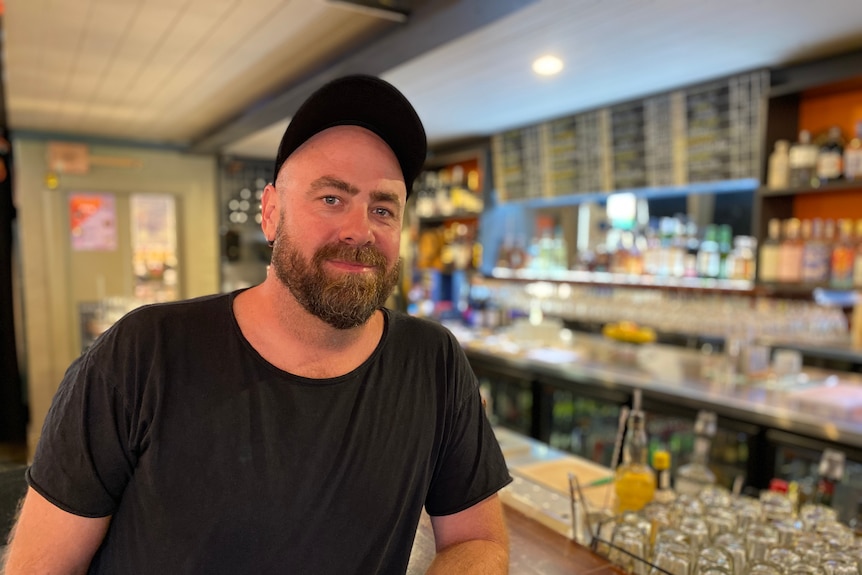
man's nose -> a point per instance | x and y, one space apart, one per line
356 227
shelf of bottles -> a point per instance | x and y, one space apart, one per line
705 133
828 160
814 252
669 256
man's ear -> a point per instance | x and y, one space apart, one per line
269 212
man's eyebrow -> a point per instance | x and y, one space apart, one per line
333 182
381 196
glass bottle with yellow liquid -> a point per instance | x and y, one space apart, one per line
634 481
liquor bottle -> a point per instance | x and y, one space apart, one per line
661 464
857 259
855 522
830 157
802 159
790 253
769 252
695 475
853 155
708 257
725 245
843 254
829 473
692 244
778 175
666 232
815 252
634 480
741 261
677 249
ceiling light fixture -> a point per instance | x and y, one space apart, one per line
547 65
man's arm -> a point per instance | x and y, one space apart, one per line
473 541
47 539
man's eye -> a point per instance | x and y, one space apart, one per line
383 212
330 200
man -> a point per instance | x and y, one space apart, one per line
294 427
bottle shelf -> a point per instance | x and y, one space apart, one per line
442 219
837 186
616 279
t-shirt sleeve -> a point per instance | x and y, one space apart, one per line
471 465
83 460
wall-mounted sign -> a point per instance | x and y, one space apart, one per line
93 222
154 247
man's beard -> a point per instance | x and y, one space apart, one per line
344 300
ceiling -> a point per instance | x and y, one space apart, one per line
225 75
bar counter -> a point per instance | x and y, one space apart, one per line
820 404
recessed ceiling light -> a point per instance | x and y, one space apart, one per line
547 65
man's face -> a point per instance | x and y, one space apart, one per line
343 300
337 217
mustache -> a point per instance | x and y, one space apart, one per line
362 255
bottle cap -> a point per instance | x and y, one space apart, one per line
661 460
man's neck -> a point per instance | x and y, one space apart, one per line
288 336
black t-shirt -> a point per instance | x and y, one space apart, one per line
211 460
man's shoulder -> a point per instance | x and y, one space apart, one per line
403 324
421 336
151 323
199 308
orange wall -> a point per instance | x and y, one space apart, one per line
823 108
829 205
820 109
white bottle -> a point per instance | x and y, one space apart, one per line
769 251
853 156
778 177
803 162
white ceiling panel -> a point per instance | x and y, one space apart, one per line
613 51
173 71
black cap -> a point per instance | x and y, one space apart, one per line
365 101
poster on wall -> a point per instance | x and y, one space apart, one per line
154 247
93 222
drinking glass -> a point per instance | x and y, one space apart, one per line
837 567
671 535
637 520
659 515
764 568
720 520
804 569
813 514
811 548
836 534
748 511
629 549
734 546
787 529
712 557
776 505
696 530
784 557
715 496
686 505
673 557
759 538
